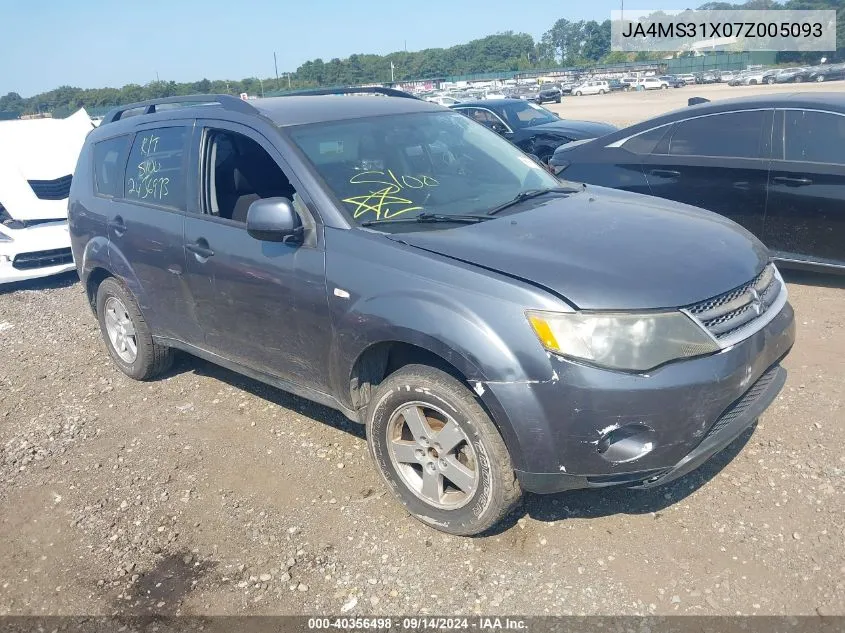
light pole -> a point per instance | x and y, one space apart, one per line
261 83
391 72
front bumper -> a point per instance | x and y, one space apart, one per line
36 251
690 410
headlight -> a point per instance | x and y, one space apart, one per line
619 340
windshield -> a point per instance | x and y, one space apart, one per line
437 162
522 114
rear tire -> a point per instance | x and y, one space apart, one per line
557 100
422 425
578 94
127 336
820 78
601 92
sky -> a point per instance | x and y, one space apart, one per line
94 43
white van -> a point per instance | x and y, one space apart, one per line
592 87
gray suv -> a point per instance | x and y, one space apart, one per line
496 329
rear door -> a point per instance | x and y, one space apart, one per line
805 216
719 162
145 220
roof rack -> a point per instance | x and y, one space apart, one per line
227 101
351 90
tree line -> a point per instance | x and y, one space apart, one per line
566 43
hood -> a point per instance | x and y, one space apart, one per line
38 149
604 249
576 130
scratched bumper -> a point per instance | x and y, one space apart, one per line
556 425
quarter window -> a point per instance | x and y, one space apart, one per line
155 172
815 137
732 135
646 142
109 159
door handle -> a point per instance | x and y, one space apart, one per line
117 225
665 173
792 182
200 249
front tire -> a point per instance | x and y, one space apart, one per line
601 92
440 453
127 335
820 78
578 94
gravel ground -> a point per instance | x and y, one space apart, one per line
207 493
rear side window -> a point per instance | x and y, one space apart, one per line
155 172
815 137
109 160
732 135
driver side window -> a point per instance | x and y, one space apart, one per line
238 171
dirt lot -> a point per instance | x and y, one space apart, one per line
205 492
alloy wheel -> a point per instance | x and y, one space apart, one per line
432 455
120 330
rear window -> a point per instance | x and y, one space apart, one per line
155 172
109 160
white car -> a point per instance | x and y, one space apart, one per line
688 79
592 87
37 160
443 100
652 83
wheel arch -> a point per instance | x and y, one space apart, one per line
378 361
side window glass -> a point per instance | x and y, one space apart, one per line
155 172
646 142
238 172
815 137
109 160
732 135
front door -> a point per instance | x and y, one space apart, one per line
261 304
805 216
718 162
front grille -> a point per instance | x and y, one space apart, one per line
57 189
746 400
42 259
726 314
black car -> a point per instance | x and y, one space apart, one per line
673 81
492 328
617 85
789 76
549 94
831 72
529 126
774 164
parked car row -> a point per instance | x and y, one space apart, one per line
822 73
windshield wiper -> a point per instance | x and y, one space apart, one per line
429 217
522 196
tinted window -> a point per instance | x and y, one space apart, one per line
735 134
816 137
644 143
109 159
155 171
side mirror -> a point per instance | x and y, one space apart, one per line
274 220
